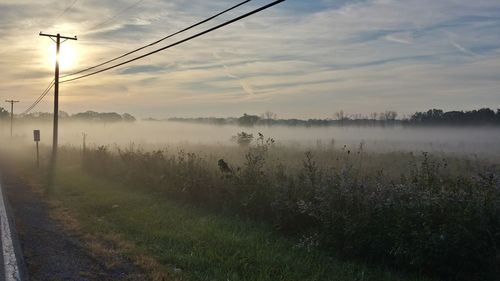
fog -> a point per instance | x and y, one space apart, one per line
479 141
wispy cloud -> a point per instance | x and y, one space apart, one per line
356 55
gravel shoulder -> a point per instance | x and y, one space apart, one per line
52 253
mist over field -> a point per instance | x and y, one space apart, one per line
250 140
480 141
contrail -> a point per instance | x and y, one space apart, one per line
247 88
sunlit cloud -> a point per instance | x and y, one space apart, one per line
302 58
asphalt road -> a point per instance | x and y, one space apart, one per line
11 265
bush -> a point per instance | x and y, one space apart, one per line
243 139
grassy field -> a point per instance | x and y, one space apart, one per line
175 241
263 210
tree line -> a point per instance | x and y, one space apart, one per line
484 116
89 115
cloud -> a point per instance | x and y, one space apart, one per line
366 55
247 88
402 37
142 69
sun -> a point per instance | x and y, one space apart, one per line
67 56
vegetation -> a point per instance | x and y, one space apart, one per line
474 117
484 116
3 113
83 116
187 242
243 138
430 215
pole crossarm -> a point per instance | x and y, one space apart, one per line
57 35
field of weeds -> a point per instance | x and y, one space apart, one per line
438 215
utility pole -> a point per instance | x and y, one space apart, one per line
11 113
84 146
56 91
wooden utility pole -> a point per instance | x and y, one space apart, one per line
11 113
84 145
56 91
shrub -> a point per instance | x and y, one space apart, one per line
243 139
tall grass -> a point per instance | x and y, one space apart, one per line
439 216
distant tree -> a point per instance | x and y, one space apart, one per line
96 116
248 120
388 115
128 117
110 117
435 114
474 117
87 116
431 116
453 117
269 116
63 114
340 115
485 115
357 116
43 116
3 113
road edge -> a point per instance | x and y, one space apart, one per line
14 268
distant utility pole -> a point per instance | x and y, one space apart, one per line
56 91
84 146
11 113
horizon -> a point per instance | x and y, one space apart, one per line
347 115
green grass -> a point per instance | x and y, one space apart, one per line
203 245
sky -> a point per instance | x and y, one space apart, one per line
299 59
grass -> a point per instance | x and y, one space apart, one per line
270 212
427 213
187 243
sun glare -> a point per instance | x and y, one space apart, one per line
67 56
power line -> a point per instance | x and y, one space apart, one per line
160 40
178 42
39 99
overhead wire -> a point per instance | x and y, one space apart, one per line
40 98
51 84
178 42
44 93
160 40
